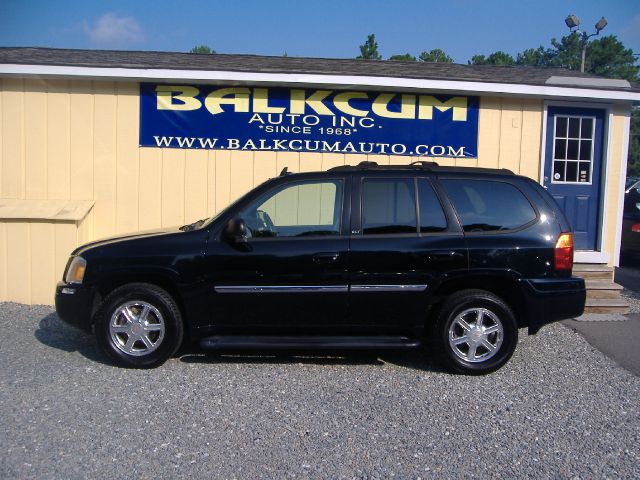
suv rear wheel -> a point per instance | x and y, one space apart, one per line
475 332
139 325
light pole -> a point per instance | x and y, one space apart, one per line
572 21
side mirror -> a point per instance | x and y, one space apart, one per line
235 231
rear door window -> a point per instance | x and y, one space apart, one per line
432 218
388 206
486 206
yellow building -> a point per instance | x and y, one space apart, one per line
102 143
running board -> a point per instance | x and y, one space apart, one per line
232 342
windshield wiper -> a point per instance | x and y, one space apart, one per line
193 226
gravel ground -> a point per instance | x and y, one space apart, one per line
633 298
559 409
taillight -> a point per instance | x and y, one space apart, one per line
563 252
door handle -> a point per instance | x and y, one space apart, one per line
326 257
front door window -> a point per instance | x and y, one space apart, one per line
301 209
573 149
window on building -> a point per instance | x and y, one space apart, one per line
484 205
573 149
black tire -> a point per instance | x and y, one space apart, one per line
161 326
494 311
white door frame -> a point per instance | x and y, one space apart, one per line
600 255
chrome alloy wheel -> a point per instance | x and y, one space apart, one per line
476 335
136 328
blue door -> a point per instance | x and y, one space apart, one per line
573 168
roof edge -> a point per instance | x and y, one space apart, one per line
320 80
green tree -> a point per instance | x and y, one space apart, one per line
535 57
496 58
605 56
369 49
406 57
202 49
435 55
608 56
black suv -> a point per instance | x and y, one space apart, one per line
369 257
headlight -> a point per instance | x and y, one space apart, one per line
75 272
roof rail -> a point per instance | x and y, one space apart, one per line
367 164
419 165
424 163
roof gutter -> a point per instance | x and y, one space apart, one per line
318 80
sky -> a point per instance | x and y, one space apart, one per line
329 28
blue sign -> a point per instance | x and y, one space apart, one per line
307 120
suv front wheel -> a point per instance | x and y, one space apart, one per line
139 325
475 332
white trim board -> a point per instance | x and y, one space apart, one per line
591 257
339 81
626 123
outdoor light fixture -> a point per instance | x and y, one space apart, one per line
572 21
601 24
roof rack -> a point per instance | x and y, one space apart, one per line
419 165
366 165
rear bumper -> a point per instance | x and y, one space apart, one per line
74 304
549 300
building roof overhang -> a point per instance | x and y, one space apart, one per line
321 73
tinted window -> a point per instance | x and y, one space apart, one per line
388 206
484 205
296 210
432 217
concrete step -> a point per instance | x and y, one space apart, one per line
593 271
606 305
603 289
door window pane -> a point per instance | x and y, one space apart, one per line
572 172
572 149
586 128
573 142
574 127
585 150
560 149
297 210
561 127
388 206
558 171
432 217
484 205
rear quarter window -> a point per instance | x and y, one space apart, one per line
489 206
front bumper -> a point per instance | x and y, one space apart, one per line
74 304
549 300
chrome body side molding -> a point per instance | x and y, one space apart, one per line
317 288
388 288
282 289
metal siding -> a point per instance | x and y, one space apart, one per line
58 139
35 142
510 134
489 125
127 159
531 138
13 138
